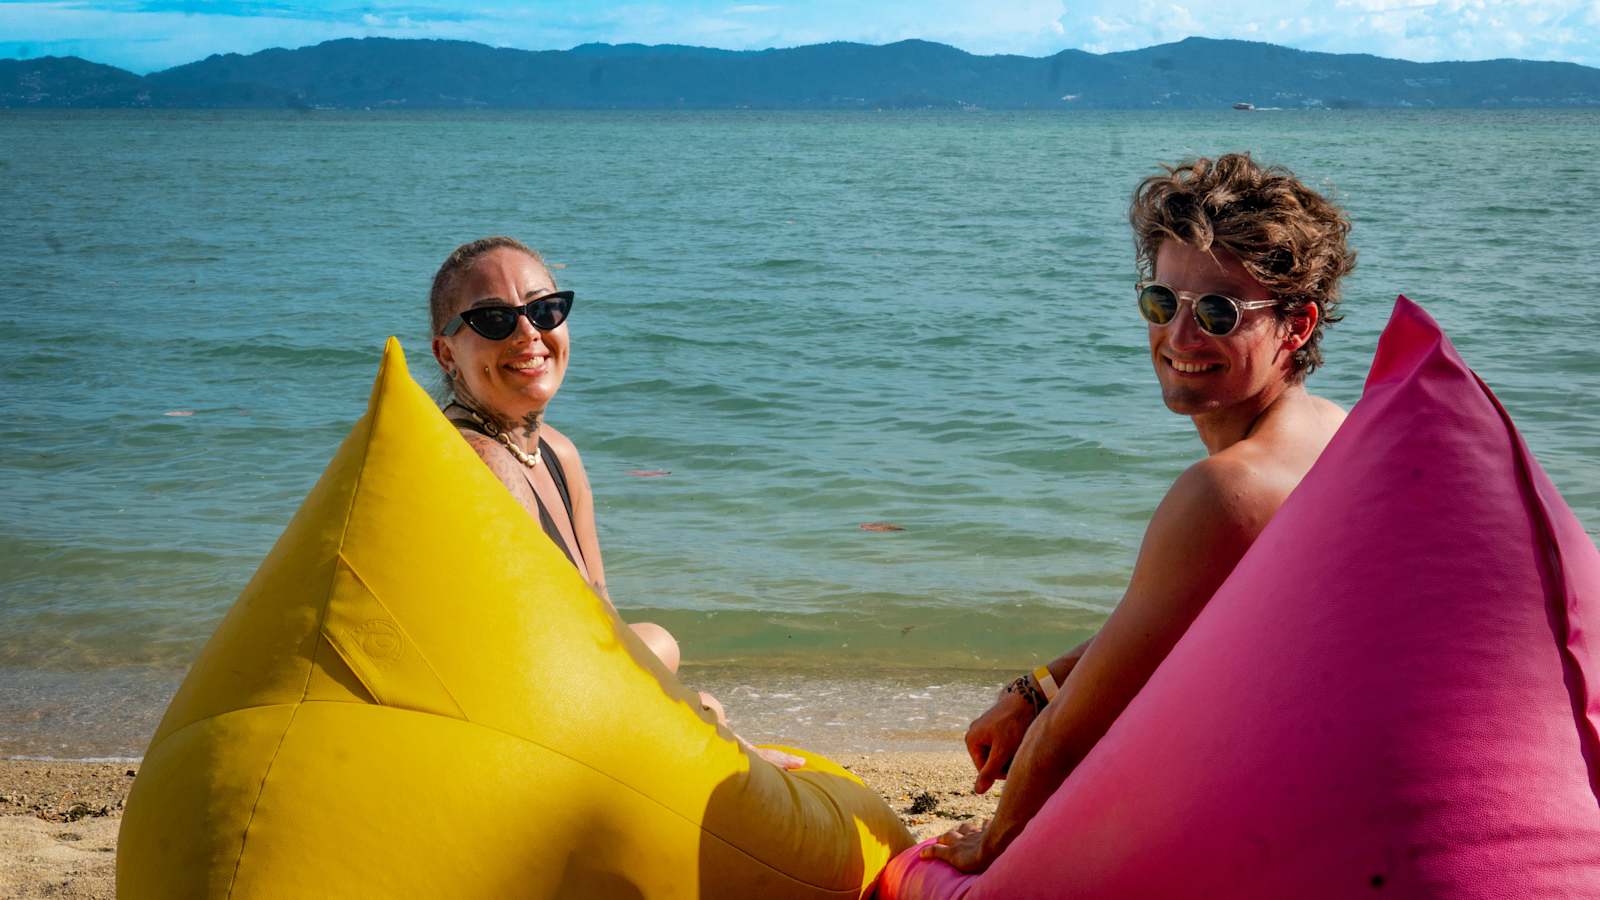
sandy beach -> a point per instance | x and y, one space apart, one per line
58 820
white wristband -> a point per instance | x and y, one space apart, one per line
1047 682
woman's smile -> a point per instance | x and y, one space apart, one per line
529 366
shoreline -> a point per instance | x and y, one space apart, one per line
59 819
109 715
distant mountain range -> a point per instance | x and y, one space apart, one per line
1197 73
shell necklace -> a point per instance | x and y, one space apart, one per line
531 460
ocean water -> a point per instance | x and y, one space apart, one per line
812 321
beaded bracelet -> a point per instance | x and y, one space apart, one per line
1024 685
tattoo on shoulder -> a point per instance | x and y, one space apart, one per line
488 449
498 459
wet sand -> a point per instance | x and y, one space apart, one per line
58 820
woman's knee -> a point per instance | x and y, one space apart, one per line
660 641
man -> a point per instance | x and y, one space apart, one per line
1241 265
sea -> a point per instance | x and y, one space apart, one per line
811 322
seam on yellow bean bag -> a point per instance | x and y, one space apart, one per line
367 656
322 618
244 836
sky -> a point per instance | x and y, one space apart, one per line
147 35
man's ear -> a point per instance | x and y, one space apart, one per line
1300 326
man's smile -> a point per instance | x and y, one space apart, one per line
1191 368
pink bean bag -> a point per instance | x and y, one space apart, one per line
1396 693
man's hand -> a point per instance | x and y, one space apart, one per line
963 847
993 738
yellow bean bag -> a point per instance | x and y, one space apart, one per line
418 696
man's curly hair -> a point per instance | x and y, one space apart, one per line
1287 236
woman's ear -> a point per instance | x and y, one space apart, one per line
442 353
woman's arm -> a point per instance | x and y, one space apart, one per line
1200 531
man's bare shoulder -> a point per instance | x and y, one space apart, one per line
1247 482
1298 426
1208 519
1226 492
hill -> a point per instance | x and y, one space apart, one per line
1196 73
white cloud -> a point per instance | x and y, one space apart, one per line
1381 6
1115 27
148 41
1010 26
1004 26
1474 29
1423 30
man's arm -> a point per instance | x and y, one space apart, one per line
1062 666
1201 529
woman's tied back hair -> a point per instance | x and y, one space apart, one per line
1289 237
458 262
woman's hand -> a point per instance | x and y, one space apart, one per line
777 757
964 847
993 738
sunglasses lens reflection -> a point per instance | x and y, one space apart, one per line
495 323
1217 315
548 315
1158 304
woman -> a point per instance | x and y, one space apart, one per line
500 335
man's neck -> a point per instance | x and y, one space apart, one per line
1223 428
